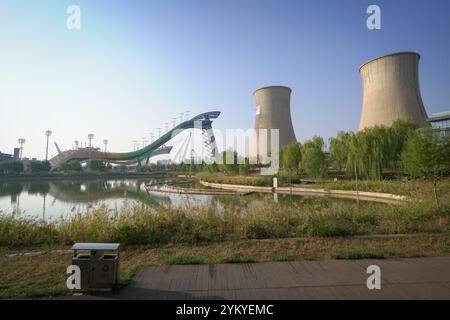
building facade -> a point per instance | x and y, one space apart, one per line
440 122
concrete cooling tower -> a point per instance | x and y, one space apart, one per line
391 90
273 111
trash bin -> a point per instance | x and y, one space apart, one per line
99 265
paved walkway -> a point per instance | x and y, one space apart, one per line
419 278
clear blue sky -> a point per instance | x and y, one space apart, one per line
135 65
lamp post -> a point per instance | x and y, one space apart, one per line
134 144
90 137
48 133
76 143
151 137
21 141
105 142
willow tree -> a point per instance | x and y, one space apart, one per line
313 158
427 155
291 157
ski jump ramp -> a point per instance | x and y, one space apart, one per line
202 121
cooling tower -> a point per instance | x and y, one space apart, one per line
273 111
391 90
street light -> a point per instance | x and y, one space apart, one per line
76 143
134 144
21 142
151 137
159 133
105 142
48 133
144 142
90 137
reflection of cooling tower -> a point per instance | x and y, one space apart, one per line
391 90
273 111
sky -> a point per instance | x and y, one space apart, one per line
135 65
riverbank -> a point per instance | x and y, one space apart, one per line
301 190
43 274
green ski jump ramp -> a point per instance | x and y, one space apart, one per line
202 121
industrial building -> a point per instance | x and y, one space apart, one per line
9 157
440 122
273 111
391 90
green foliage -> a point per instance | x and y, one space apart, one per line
291 156
181 258
98 166
230 162
356 254
370 150
244 169
11 167
70 166
426 155
39 166
313 158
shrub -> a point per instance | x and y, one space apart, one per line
39 166
11 167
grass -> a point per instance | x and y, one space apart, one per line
413 188
43 274
283 256
181 258
356 254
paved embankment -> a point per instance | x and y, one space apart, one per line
296 190
418 278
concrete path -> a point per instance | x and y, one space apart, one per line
421 278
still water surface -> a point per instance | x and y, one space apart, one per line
61 199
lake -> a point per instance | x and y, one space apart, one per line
61 199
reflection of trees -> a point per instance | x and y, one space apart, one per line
68 187
41 188
10 188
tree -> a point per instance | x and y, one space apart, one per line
231 166
70 166
427 155
8 167
291 156
97 166
39 166
372 149
313 158
244 169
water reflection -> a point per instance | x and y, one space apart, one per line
64 198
